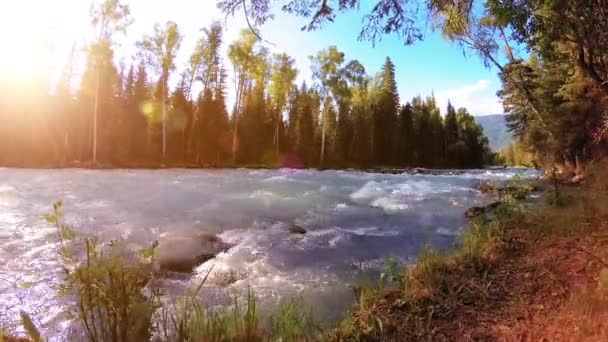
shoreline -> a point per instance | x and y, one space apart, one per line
534 271
381 170
401 170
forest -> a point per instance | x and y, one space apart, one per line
151 114
551 56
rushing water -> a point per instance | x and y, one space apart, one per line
354 220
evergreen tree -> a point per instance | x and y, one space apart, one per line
385 116
406 136
451 133
138 105
438 136
304 131
179 116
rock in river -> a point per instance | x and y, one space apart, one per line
295 229
182 252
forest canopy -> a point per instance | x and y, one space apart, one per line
552 58
151 113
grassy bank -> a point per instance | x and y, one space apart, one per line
529 272
521 271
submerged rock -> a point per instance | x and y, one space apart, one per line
182 252
295 229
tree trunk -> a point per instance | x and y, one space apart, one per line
95 113
234 136
164 119
321 162
278 138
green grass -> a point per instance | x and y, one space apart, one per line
410 299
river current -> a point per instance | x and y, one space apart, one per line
354 220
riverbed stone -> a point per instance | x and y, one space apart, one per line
296 229
182 252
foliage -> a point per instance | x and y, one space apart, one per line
346 118
32 331
159 50
555 95
293 321
106 286
114 302
515 155
391 272
407 301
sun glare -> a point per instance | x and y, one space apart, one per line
31 33
22 40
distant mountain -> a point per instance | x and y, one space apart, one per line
495 128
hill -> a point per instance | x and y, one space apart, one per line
495 128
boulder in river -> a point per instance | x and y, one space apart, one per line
295 229
182 252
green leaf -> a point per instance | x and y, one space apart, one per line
66 253
29 327
50 218
57 205
378 324
67 233
26 285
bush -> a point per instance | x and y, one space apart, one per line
108 290
407 301
113 303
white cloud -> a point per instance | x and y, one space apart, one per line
479 98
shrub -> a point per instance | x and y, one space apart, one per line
108 290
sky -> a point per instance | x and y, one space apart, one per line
433 66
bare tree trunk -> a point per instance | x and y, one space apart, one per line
323 138
95 113
240 89
234 136
277 137
164 121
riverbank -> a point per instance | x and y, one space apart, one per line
228 166
532 272
523 270
353 221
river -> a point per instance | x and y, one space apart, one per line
354 220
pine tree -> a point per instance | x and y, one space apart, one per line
180 113
438 136
406 136
451 133
385 117
304 143
138 107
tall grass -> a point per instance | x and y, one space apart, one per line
114 302
107 289
408 300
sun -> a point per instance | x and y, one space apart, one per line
25 58
23 54
33 33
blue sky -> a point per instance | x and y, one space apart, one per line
431 66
